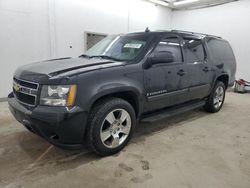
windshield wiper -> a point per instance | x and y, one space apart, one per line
84 55
105 57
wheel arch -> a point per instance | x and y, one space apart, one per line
128 94
223 78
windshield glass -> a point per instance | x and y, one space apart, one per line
123 48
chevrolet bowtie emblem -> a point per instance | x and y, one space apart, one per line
16 87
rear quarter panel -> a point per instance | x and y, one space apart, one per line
221 55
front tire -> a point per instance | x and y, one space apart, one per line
110 126
216 98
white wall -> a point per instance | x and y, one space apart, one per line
24 37
110 17
231 21
35 30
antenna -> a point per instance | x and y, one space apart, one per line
147 30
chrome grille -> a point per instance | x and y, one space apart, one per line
25 91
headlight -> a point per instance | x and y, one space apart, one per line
58 95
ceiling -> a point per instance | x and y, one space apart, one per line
190 4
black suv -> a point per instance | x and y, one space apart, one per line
99 97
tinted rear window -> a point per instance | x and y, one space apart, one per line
220 50
194 50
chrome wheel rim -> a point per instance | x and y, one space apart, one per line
115 128
218 97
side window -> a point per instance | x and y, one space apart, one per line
170 45
220 50
194 50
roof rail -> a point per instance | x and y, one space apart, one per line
162 30
193 33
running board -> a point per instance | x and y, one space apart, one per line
169 112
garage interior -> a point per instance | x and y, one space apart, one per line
194 149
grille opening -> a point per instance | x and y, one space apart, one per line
25 91
28 99
26 84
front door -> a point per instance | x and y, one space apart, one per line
163 81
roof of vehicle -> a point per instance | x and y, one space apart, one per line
179 32
195 34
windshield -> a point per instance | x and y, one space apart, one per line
121 48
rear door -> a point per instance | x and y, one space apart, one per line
163 82
198 67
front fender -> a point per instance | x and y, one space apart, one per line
97 84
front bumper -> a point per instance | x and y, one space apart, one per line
61 126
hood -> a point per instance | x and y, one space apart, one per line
62 67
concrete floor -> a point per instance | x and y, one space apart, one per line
195 149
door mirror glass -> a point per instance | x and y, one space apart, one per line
162 57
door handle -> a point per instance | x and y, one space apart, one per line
181 72
205 69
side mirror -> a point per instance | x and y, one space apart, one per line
162 57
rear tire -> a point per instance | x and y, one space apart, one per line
110 126
216 98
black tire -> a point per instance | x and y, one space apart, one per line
210 106
96 120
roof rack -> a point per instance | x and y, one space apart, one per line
193 33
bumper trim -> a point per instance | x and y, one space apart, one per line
60 126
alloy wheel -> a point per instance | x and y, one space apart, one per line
219 97
115 128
